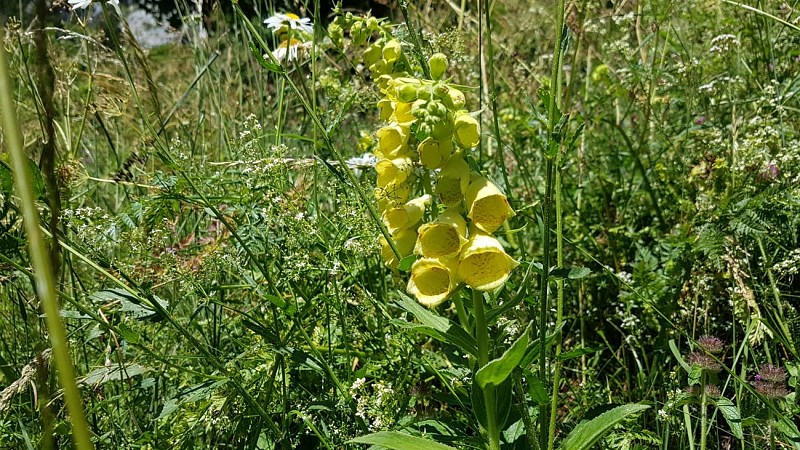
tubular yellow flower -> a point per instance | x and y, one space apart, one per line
393 170
432 280
392 194
404 240
466 130
392 140
487 207
443 237
434 153
392 50
484 265
402 113
407 215
453 181
386 108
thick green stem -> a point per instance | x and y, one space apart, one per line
559 314
703 411
40 257
482 336
544 307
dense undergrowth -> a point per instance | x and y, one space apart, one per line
218 255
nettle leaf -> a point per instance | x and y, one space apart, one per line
587 433
103 375
435 326
399 441
496 371
731 414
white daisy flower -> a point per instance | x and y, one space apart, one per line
294 49
80 4
293 21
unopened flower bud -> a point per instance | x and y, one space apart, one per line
407 93
392 50
373 24
467 131
438 64
454 99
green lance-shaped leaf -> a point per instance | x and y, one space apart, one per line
587 433
399 441
731 414
497 370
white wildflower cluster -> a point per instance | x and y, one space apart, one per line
374 403
723 43
790 265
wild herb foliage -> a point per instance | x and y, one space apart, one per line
220 268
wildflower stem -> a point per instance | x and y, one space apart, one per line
703 410
40 258
482 336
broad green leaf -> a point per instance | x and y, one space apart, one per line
128 334
587 433
576 352
406 263
272 67
102 375
399 441
731 414
572 273
790 431
536 388
677 354
497 370
435 326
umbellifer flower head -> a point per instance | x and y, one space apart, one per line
484 264
432 280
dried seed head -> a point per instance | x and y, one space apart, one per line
705 362
772 374
711 344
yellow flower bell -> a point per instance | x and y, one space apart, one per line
404 240
407 215
393 170
392 194
432 280
453 181
484 265
466 130
386 109
392 140
434 153
402 113
487 207
442 238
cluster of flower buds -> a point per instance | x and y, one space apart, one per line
426 139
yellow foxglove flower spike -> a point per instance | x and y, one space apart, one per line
393 170
406 216
432 280
404 240
392 140
442 238
483 264
453 181
433 153
386 108
466 130
487 207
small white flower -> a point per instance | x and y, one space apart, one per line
294 49
80 4
293 21
357 163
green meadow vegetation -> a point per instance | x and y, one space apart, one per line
563 224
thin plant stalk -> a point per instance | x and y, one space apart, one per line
546 432
559 314
703 411
40 258
482 337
